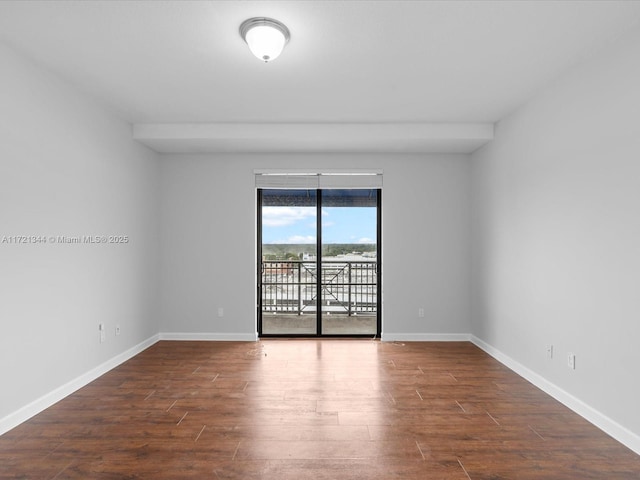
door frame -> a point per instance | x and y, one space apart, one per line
379 263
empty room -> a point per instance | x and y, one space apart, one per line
337 239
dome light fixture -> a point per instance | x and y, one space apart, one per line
266 37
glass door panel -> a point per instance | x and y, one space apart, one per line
288 278
349 262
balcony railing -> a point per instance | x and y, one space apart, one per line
291 287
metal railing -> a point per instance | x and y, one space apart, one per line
291 287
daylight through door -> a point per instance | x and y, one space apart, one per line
319 270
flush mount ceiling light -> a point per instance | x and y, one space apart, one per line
266 37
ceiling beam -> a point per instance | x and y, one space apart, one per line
314 137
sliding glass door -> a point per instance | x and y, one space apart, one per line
319 262
349 262
287 258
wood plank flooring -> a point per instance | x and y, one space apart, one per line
321 409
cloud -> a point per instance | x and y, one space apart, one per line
300 239
285 216
297 239
365 240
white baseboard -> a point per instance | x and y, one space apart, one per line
425 337
604 423
211 337
25 413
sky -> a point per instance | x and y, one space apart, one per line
298 225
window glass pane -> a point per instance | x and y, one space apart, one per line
349 290
289 284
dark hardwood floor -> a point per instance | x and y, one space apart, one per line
320 409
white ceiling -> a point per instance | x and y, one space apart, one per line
387 63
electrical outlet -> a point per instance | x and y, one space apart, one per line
549 352
103 333
117 329
571 361
220 312
421 312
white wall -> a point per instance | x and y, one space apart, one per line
68 168
556 235
209 234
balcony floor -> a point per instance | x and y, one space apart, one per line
333 324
